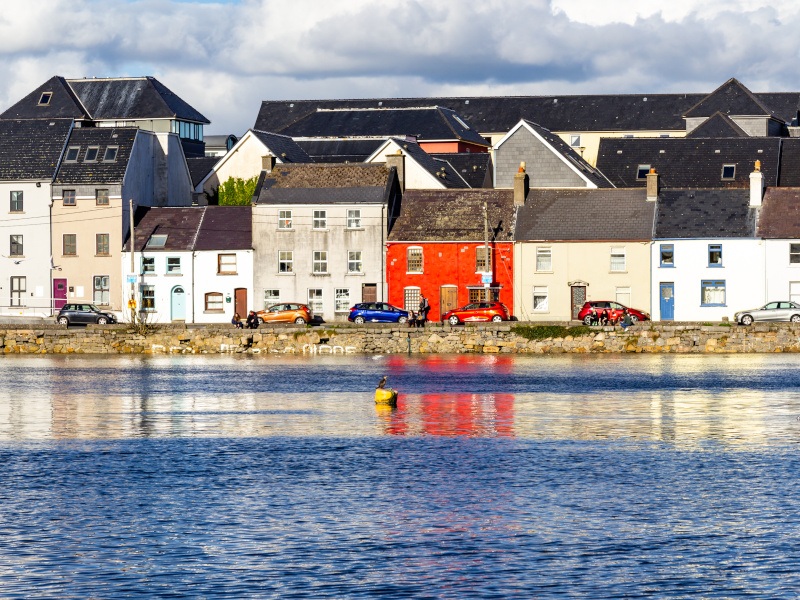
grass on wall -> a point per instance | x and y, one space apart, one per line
543 332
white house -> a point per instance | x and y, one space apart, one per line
416 169
779 227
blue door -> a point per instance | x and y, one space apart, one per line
667 301
178 304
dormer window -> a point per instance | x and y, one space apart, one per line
728 172
111 154
157 240
44 99
642 171
72 154
91 154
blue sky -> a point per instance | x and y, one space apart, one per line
224 57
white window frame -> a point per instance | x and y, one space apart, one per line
341 300
316 298
173 268
285 261
101 290
319 262
623 295
355 264
542 253
354 218
411 297
148 265
621 263
150 291
415 250
541 299
284 219
794 254
320 219
271 297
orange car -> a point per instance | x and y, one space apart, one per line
477 311
285 312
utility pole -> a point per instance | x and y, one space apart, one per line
487 262
132 276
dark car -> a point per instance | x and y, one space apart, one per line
377 312
612 311
477 311
83 314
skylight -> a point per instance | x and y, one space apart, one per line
157 240
45 98
72 154
728 172
464 125
111 154
642 171
91 154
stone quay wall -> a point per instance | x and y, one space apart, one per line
507 338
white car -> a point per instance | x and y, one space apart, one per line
772 311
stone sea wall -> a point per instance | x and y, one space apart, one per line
516 338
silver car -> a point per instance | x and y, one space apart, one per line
772 311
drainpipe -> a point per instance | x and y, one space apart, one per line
194 257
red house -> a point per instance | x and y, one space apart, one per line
438 246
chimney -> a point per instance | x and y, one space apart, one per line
398 161
520 186
268 163
652 185
756 185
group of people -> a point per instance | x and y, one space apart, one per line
250 323
608 317
418 319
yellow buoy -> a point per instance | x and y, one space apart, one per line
386 396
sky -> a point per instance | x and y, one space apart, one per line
225 57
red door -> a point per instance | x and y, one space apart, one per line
59 293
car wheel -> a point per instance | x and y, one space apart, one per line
63 321
402 320
453 320
497 318
587 320
359 320
300 321
634 319
102 320
795 319
747 320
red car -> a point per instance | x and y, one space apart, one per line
477 311
595 310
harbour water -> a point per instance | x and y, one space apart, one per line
496 477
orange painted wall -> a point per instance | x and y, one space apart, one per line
451 147
447 263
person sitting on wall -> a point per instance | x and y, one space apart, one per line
412 319
252 320
236 321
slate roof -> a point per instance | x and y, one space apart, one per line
779 217
97 171
340 151
442 170
104 99
699 213
474 167
716 126
689 162
325 184
789 175
585 215
731 98
194 228
200 166
31 149
424 122
283 147
454 215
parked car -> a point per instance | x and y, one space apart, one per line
477 311
771 311
613 311
285 312
377 312
83 314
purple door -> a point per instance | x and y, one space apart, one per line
59 293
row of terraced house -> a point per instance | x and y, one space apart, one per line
681 205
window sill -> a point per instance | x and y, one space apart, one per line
285 275
173 274
414 273
666 266
321 229
716 267
16 212
105 255
148 275
713 305
355 228
226 273
354 275
287 230
544 272
320 274
214 311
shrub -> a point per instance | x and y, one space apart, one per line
237 192
542 332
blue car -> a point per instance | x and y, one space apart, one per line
377 312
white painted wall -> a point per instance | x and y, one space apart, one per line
782 277
206 280
416 178
244 160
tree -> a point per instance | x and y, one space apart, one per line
237 191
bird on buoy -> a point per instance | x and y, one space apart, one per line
382 383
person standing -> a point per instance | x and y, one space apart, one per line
424 308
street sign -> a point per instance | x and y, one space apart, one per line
486 278
131 279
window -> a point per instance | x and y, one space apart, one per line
411 298
148 298
667 255
148 265
45 98
101 244
728 172
794 254
315 300
575 141
173 265
101 292
342 300
69 197
617 259
715 255
70 244
479 294
101 197
320 262
354 264
18 285
284 219
544 259
285 261
226 264
271 297
414 260
354 219
642 171
91 154
72 154
541 299
157 240
111 154
320 219
712 293
624 296
16 202
214 302
483 259
16 245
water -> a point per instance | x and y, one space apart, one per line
496 477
